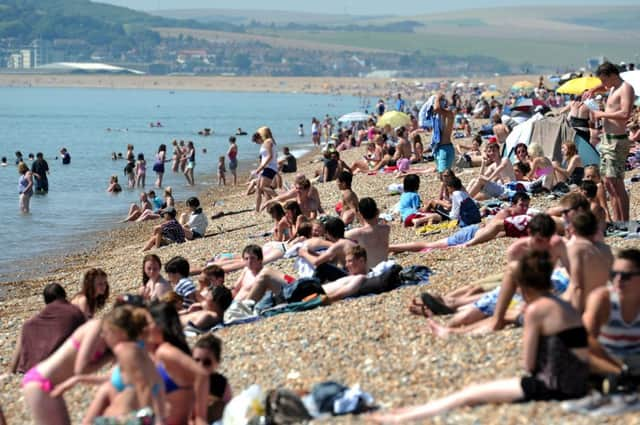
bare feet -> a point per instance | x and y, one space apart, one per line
437 329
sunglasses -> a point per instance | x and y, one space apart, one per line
624 276
205 361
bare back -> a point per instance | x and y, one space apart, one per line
590 265
374 239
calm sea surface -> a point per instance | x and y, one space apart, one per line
46 119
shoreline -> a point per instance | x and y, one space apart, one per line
354 86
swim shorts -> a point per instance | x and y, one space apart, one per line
493 189
408 222
517 226
614 150
465 234
233 164
488 301
268 173
444 156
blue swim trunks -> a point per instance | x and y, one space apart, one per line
559 281
444 155
465 234
487 303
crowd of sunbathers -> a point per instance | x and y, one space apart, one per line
579 304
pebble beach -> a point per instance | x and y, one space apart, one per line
371 341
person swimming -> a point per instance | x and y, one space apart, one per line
240 132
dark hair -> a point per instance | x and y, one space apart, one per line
214 270
140 156
193 202
454 182
178 265
166 318
589 188
162 148
53 292
294 207
334 227
212 343
345 177
411 183
520 196
523 167
232 138
132 320
607 69
149 257
534 270
542 225
305 229
630 254
221 295
253 249
276 211
584 224
39 155
368 208
94 302
478 139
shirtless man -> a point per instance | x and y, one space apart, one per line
349 201
327 264
252 255
443 151
590 260
494 173
357 282
373 236
615 144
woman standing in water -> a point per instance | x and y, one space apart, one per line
191 163
25 187
158 166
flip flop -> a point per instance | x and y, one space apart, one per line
434 305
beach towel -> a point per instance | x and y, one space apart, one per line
429 229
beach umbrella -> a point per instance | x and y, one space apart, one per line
579 85
394 119
354 117
522 85
488 94
633 78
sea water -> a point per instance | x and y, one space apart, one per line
94 123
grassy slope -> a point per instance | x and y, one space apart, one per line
555 36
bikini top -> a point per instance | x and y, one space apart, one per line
118 384
169 384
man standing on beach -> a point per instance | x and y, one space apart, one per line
441 146
615 145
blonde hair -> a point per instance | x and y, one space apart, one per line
168 190
265 133
22 168
535 150
132 320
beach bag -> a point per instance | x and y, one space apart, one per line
415 275
469 213
284 407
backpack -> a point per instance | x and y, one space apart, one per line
284 407
469 213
